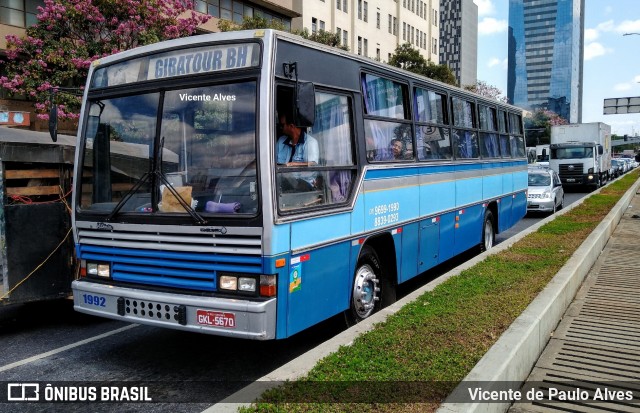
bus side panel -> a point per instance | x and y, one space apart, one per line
447 236
519 208
280 239
507 182
429 244
520 180
279 244
316 286
357 215
319 230
492 181
468 188
390 207
437 197
469 228
520 183
505 217
408 252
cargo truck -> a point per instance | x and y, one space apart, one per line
581 153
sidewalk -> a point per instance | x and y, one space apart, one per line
597 343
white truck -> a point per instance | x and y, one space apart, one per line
581 153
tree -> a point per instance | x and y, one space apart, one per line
538 126
409 58
482 88
252 23
70 34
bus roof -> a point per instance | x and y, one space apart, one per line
281 35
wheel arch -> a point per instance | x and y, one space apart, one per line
385 247
493 207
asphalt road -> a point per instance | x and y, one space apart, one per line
49 343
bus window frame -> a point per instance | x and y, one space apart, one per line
473 129
163 86
482 132
327 208
408 110
447 119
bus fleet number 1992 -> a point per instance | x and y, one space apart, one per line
96 300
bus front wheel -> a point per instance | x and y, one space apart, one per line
367 287
488 232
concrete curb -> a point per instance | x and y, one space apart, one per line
515 353
301 365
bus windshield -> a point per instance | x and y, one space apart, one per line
200 140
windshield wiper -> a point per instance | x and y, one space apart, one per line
196 217
128 195
159 176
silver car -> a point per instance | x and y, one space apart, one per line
545 192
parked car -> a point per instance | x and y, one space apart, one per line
545 192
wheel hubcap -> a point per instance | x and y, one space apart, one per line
365 291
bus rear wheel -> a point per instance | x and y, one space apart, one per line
368 287
488 232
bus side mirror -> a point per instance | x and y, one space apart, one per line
53 123
305 107
600 150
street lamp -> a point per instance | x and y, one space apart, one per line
629 34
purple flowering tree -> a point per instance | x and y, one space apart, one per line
70 34
482 88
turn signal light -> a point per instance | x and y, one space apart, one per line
268 285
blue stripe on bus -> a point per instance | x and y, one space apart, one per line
186 256
174 264
429 169
165 282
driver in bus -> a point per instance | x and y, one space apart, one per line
297 148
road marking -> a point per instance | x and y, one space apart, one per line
65 348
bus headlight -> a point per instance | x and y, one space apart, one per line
247 284
98 270
228 282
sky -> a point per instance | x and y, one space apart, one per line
611 60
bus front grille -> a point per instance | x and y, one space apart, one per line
173 260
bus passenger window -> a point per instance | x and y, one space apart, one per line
433 143
380 137
466 144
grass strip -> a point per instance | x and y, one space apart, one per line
424 350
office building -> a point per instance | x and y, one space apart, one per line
546 43
459 39
374 28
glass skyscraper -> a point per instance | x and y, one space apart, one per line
546 40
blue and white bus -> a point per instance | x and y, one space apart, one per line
183 219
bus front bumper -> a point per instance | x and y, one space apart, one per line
238 318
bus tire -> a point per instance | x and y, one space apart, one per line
488 231
368 287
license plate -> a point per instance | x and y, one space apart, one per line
571 180
216 319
